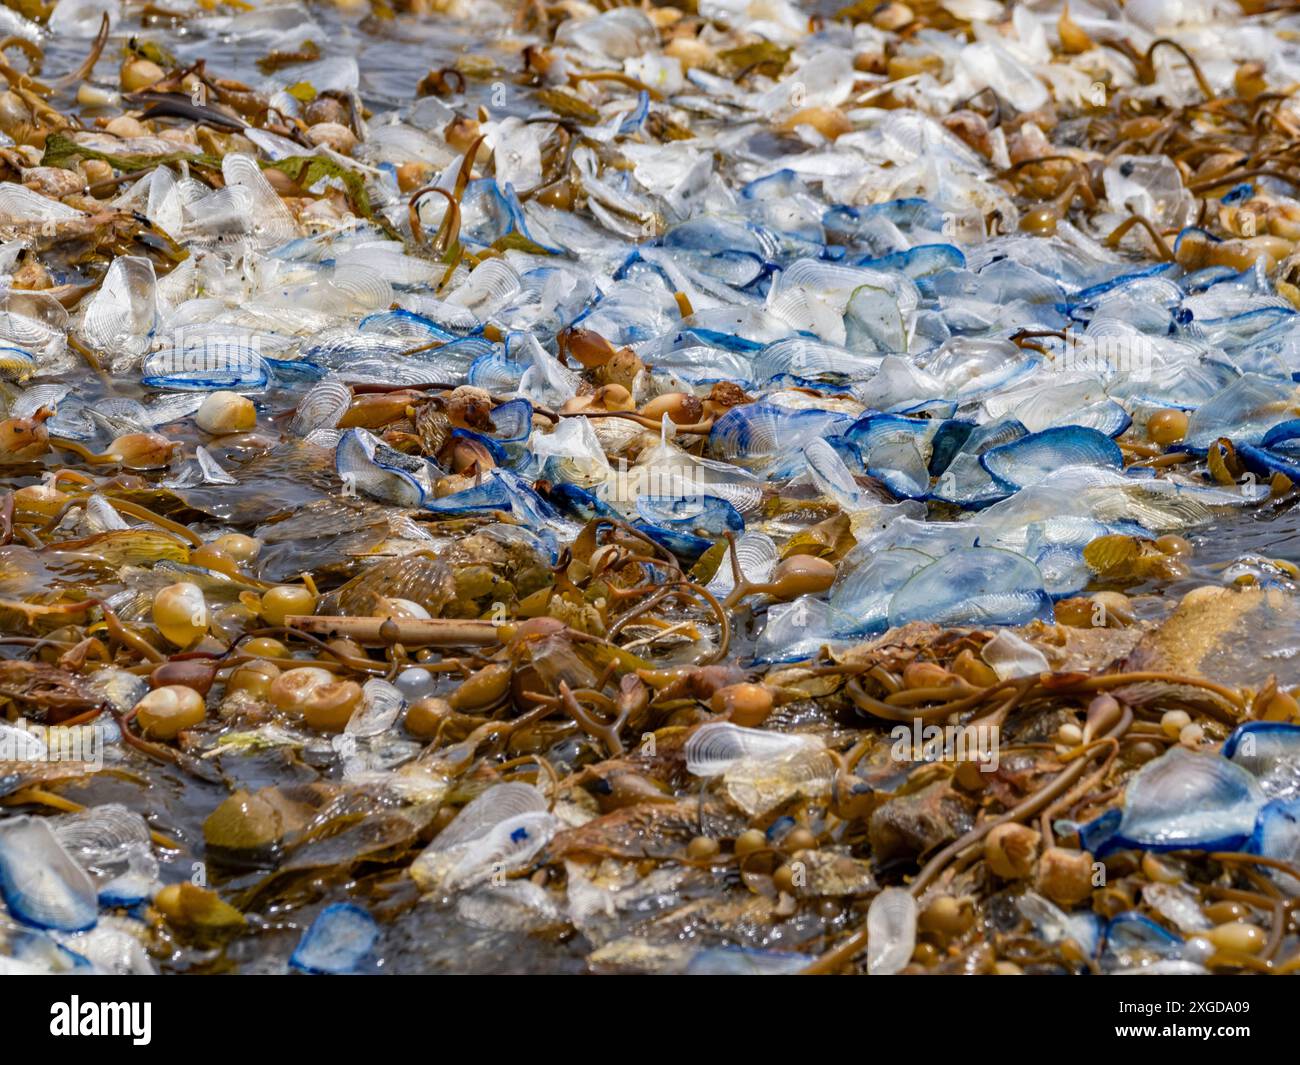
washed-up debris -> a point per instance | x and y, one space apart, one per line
689 489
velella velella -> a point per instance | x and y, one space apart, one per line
41 884
972 586
892 924
338 940
1034 458
1184 800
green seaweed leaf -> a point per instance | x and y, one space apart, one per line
515 241
61 150
306 170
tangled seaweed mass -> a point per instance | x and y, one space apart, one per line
718 488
